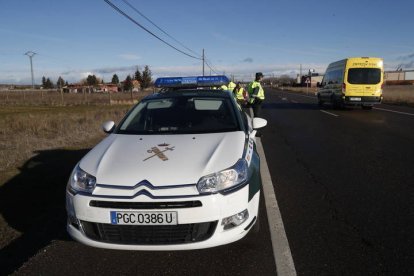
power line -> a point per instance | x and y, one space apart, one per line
148 31
210 66
140 13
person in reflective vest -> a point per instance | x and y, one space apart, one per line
256 94
240 94
231 86
223 87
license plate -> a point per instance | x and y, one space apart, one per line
144 218
355 99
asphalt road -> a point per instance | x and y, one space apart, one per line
344 181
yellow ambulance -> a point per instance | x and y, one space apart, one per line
353 81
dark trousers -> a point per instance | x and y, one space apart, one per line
257 107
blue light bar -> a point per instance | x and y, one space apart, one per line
186 82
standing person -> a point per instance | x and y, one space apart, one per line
256 94
231 86
240 94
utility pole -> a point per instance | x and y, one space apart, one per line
203 62
30 54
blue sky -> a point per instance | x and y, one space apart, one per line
75 38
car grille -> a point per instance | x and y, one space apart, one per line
145 205
149 234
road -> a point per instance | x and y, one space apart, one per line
343 181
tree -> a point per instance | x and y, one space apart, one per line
128 83
92 80
60 82
146 77
48 84
115 79
44 81
138 75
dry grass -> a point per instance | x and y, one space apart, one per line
55 98
25 130
37 120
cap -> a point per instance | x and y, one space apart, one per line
259 74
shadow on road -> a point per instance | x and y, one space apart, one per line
33 203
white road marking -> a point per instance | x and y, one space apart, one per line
329 113
281 250
389 110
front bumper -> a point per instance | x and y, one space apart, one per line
90 225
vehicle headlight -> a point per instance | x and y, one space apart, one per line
225 179
81 181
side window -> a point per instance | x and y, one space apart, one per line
328 77
338 76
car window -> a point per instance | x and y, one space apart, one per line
181 115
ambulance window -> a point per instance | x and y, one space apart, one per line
364 75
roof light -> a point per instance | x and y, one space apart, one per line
198 81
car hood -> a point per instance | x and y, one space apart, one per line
162 160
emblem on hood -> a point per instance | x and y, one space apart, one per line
158 152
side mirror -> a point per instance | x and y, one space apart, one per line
259 123
108 126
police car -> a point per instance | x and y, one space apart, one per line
180 171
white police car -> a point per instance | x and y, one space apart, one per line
180 171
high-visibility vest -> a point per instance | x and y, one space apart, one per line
240 94
251 89
231 86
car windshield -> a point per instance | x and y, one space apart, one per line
364 75
181 115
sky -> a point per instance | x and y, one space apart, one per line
73 38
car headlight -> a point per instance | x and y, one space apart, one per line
225 179
81 181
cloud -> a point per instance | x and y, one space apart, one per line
407 65
406 57
407 61
248 60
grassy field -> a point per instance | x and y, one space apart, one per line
31 121
56 98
